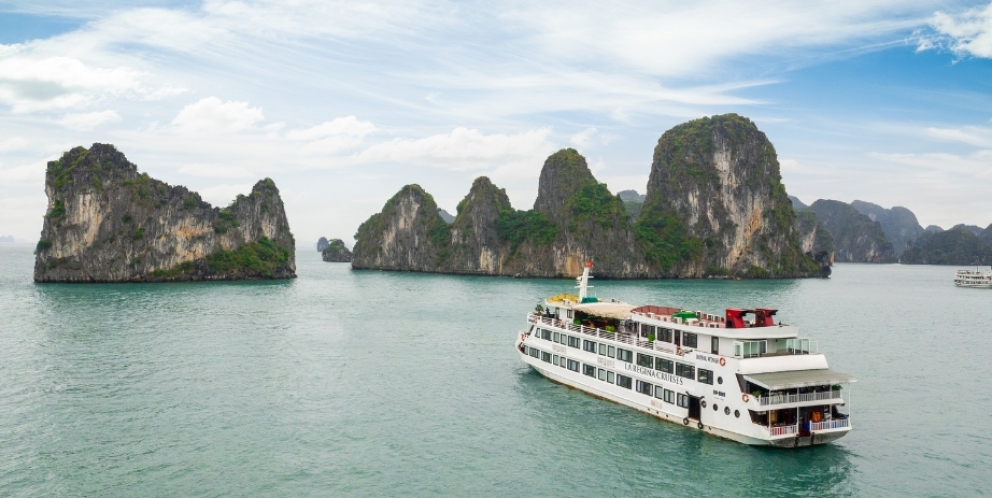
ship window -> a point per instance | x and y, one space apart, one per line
589 346
644 388
546 334
715 345
589 370
683 400
689 339
705 376
624 381
573 365
556 337
659 392
737 413
602 374
602 349
546 357
624 355
568 313
669 396
573 342
645 360
667 366
726 410
611 352
609 377
665 335
535 352
687 371
554 360
647 330
719 380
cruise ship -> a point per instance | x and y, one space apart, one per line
739 375
976 278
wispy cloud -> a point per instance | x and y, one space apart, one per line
88 121
464 149
966 33
211 115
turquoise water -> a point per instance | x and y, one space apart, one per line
345 383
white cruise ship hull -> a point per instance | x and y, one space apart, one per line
715 422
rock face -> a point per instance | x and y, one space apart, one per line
716 205
933 229
575 219
856 237
813 234
796 203
336 252
632 202
108 223
899 224
957 246
322 244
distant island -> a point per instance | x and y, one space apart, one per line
336 252
689 224
863 232
108 223
6 238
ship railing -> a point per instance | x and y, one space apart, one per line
624 337
799 398
783 430
829 424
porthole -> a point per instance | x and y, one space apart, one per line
719 380
737 413
716 407
703 404
726 410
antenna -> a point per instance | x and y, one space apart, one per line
583 282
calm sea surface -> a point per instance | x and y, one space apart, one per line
344 383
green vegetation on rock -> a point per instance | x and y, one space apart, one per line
260 258
517 227
58 210
957 246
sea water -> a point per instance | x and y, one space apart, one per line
366 383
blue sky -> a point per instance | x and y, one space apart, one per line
342 103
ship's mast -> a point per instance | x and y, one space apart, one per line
583 282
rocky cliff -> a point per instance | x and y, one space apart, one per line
336 252
716 205
108 223
322 244
957 246
856 237
574 219
899 224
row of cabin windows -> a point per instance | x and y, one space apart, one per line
644 360
681 369
558 337
688 339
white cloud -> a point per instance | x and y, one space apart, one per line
222 195
332 136
582 138
29 84
965 33
210 115
974 166
89 120
12 144
973 135
217 171
32 174
464 149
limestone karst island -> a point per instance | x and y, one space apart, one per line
715 207
108 223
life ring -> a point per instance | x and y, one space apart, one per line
745 397
723 361
685 421
699 425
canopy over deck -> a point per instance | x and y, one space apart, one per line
777 381
619 311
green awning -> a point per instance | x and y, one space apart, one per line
685 314
776 381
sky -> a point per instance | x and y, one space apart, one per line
343 103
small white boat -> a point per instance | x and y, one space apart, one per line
973 278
